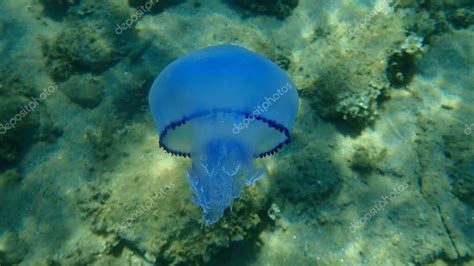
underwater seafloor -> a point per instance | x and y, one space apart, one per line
380 170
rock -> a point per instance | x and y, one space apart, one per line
153 6
279 8
18 127
86 47
12 248
10 177
87 91
57 8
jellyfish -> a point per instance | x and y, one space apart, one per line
222 106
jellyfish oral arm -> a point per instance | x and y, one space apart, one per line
217 175
258 173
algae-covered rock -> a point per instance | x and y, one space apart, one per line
23 115
307 177
401 64
57 8
278 8
439 16
459 149
18 127
85 90
153 5
145 201
164 227
349 80
367 156
359 63
339 94
9 177
12 249
462 17
464 183
132 101
88 47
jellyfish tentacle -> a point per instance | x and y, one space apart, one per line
218 177
256 175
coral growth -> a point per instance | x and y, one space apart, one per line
401 64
